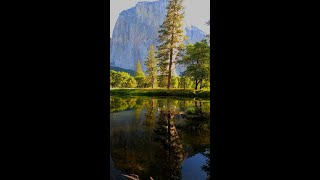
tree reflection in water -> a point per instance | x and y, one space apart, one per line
159 135
170 153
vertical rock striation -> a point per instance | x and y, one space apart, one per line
136 29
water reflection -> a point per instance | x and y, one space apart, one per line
155 137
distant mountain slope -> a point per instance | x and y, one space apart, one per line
131 72
137 28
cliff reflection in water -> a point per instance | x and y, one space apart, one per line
155 137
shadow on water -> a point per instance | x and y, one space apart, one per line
163 138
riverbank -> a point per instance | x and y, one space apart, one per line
160 92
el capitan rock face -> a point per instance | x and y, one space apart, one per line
136 29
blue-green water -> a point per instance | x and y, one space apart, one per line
164 138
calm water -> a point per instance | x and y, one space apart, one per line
160 137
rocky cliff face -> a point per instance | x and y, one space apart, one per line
136 29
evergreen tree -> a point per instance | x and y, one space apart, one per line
170 153
139 71
171 38
162 81
139 77
151 64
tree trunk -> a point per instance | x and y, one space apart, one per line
197 85
171 49
152 82
168 116
170 65
200 84
201 113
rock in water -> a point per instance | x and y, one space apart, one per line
136 29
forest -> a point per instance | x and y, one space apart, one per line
197 74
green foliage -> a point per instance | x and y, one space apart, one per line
206 84
197 61
140 77
116 79
171 37
131 82
152 69
161 92
140 81
118 104
151 107
175 81
162 81
122 80
185 82
139 71
195 57
113 78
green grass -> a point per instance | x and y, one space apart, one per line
160 92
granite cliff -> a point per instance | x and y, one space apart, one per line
136 29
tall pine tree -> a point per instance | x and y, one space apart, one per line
139 77
151 64
139 71
171 37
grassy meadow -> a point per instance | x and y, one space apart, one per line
160 92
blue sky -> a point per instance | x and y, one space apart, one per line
196 11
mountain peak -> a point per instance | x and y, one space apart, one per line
137 28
